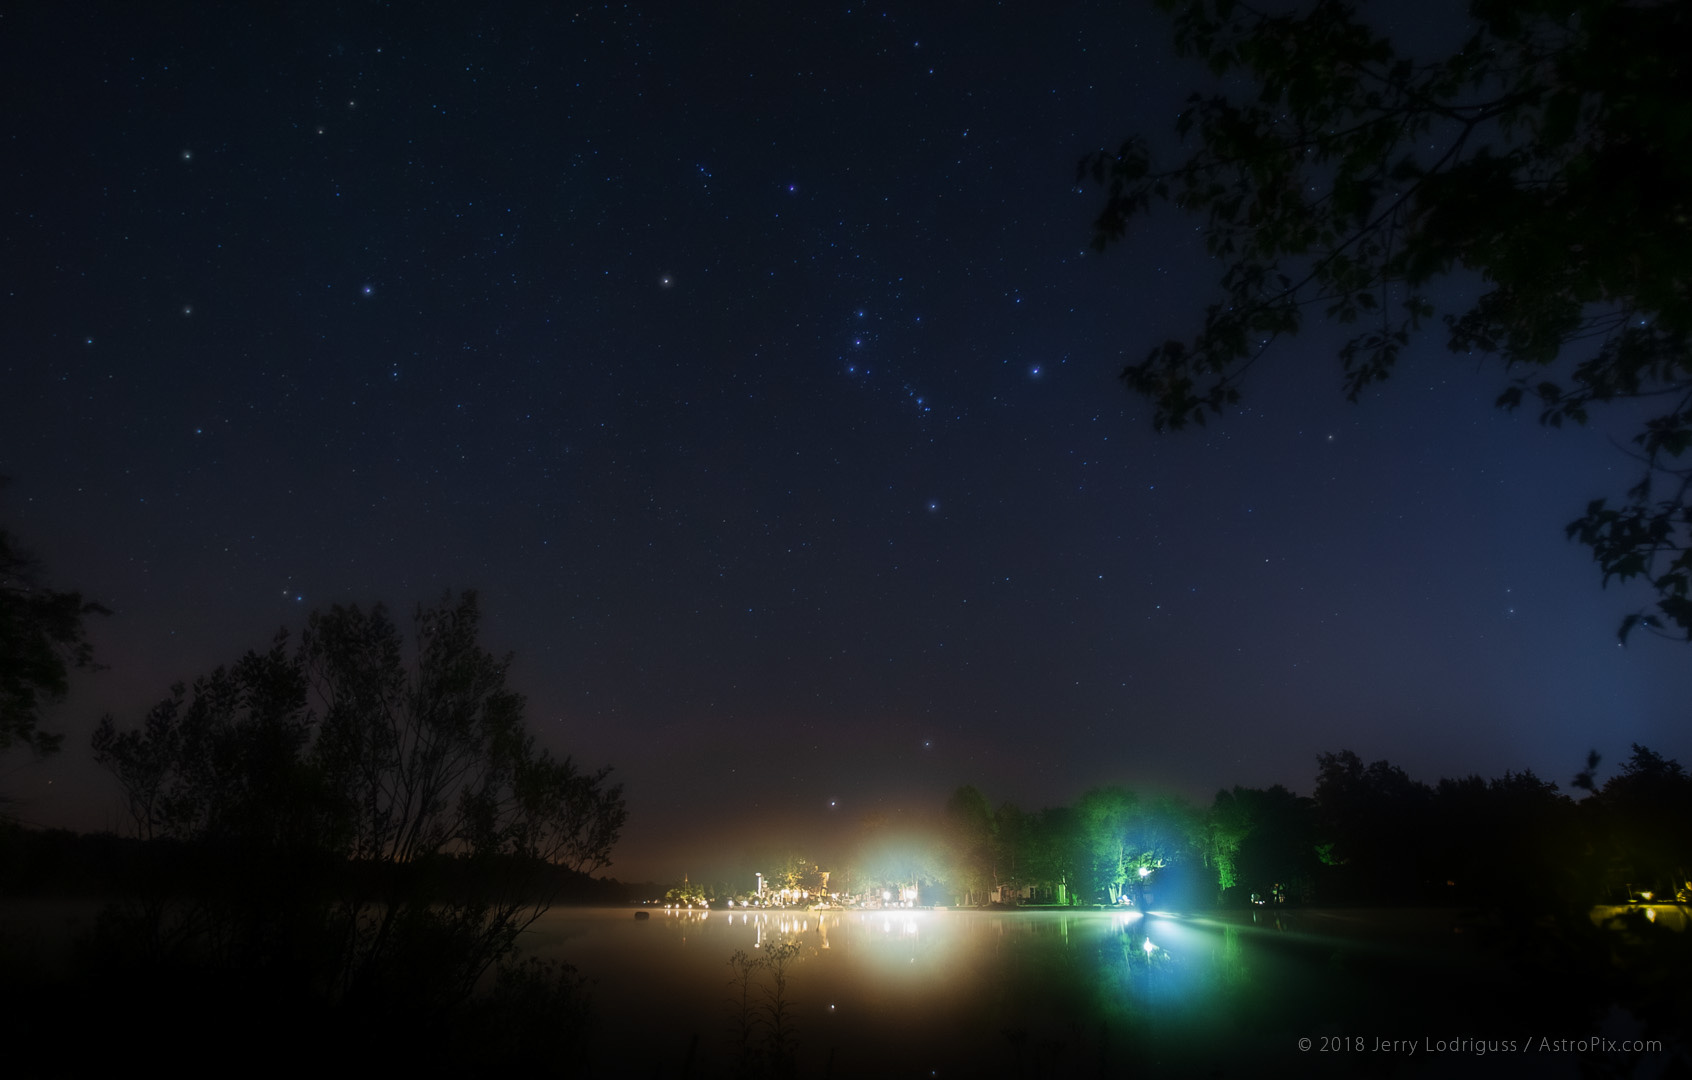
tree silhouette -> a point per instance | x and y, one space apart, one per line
42 637
1057 851
1645 809
968 827
1550 155
1377 822
383 821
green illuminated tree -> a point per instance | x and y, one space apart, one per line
1549 158
1106 814
1163 836
1227 825
1257 838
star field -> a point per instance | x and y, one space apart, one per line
748 363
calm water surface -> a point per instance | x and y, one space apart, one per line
964 993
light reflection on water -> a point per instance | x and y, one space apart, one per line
911 992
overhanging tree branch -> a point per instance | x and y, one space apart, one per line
1562 183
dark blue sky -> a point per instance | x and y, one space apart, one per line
751 368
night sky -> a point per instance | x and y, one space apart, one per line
754 368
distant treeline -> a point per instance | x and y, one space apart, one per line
61 863
1368 834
